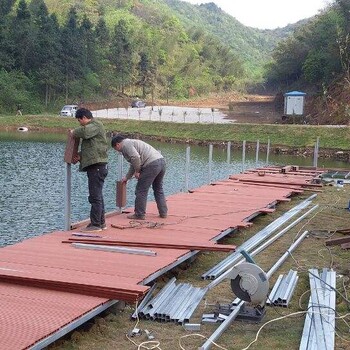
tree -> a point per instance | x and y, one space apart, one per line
121 54
7 58
343 40
45 64
146 73
22 37
72 55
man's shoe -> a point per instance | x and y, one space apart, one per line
91 228
135 217
163 216
104 227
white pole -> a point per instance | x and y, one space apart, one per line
120 172
268 151
316 151
67 197
210 162
187 170
257 153
229 152
243 156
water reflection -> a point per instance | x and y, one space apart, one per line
32 179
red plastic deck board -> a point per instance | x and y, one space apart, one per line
29 314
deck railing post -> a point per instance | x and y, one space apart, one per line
70 153
210 163
316 151
229 152
243 156
67 197
257 153
268 151
120 172
187 168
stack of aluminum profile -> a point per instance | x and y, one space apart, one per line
254 241
319 325
283 289
174 303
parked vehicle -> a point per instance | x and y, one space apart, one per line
68 111
138 104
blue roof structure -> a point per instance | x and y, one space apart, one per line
295 93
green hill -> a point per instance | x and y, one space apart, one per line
251 45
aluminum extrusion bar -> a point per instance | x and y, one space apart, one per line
272 296
286 254
285 298
319 325
260 248
241 303
196 299
221 329
232 259
114 249
144 301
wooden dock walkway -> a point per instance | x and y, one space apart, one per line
49 286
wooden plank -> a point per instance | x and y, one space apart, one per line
337 241
120 194
72 146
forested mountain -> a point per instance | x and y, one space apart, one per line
253 46
316 58
70 50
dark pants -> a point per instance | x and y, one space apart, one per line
96 177
151 174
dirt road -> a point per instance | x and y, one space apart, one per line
241 108
238 107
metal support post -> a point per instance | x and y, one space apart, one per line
187 169
268 151
316 151
210 163
120 172
67 197
243 156
229 152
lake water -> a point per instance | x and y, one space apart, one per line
32 180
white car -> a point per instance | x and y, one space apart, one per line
138 104
68 111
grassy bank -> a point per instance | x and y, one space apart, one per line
292 136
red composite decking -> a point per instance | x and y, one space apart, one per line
36 274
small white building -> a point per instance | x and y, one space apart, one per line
294 102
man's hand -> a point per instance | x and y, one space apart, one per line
137 175
76 158
124 179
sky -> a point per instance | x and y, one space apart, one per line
268 14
